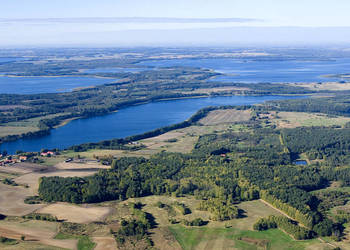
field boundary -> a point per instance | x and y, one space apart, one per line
319 238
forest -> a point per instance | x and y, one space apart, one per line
227 168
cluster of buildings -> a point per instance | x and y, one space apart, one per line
47 153
8 160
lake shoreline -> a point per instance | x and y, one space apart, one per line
67 121
82 121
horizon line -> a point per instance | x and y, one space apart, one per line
131 20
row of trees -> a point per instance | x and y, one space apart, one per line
45 217
305 216
287 225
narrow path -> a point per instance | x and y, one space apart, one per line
280 211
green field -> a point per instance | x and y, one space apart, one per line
226 238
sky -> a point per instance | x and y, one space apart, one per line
172 22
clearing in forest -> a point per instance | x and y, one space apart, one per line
226 116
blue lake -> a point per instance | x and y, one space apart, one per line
12 59
34 85
235 70
300 162
129 121
253 71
